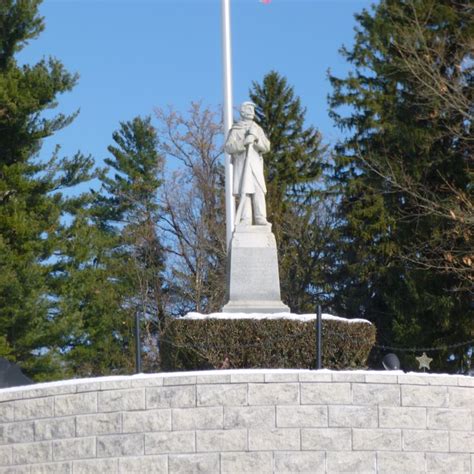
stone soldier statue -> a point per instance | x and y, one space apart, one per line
246 143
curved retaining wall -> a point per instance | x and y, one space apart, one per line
241 421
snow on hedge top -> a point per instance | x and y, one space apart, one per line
293 316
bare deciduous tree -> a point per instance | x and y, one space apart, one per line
193 203
449 248
442 77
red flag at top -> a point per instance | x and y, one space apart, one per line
265 1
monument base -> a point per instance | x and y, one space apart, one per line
264 307
254 282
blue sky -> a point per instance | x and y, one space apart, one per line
135 55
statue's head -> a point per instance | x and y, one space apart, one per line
247 111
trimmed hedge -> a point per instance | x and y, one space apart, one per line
199 344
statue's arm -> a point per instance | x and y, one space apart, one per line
263 144
234 144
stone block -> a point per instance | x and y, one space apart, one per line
424 396
427 379
249 417
448 462
348 461
6 412
30 453
75 448
378 378
202 418
460 397
179 380
120 445
326 393
98 424
149 420
84 386
48 391
353 416
144 464
465 381
315 376
6 396
34 408
221 440
449 419
274 394
348 376
52 468
247 377
302 416
55 428
122 400
226 395
330 439
425 440
170 442
5 455
391 463
376 394
232 463
461 442
155 381
96 466
171 397
294 461
402 417
76 404
15 470
442 379
413 379
220 376
23 432
287 439
187 463
112 384
376 440
280 377
10 395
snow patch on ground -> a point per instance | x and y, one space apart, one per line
259 316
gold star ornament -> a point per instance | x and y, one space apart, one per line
424 361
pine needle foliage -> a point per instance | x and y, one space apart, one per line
33 202
403 171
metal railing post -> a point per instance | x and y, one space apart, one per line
138 345
319 330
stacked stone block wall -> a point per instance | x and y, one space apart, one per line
240 421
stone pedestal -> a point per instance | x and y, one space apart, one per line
254 282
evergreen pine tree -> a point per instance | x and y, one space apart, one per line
404 162
31 199
293 168
114 261
129 209
98 339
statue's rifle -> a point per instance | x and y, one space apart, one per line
243 196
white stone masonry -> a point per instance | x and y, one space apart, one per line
261 421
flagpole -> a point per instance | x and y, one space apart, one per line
228 118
